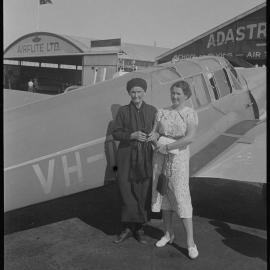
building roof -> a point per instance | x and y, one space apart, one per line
83 44
210 31
141 52
130 51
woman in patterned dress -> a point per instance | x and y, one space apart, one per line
178 122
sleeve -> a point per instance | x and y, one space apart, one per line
155 113
156 120
192 117
158 115
120 133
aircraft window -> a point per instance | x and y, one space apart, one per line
232 69
236 83
221 79
200 95
167 75
194 98
214 88
228 80
234 76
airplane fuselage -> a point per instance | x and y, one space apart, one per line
63 145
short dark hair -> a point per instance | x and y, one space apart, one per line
136 82
184 85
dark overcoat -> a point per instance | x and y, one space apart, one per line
134 161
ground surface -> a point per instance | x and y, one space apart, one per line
78 232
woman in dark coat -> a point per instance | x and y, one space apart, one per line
134 160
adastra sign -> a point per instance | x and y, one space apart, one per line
243 37
40 45
253 31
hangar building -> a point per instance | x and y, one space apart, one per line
240 40
58 61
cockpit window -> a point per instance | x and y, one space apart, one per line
236 83
234 76
232 69
222 82
167 75
214 88
200 95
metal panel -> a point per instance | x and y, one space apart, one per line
100 60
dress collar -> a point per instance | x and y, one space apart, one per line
132 104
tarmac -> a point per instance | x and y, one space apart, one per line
77 232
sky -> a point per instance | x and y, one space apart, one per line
166 23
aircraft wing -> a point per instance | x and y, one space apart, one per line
16 98
244 159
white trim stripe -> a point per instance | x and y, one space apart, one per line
95 158
74 148
261 44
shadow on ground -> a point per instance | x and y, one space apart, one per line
242 242
231 201
97 207
235 202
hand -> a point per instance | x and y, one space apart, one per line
182 147
153 137
158 145
139 136
163 149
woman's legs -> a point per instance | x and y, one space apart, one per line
167 216
188 225
169 235
192 248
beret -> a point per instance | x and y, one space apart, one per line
136 82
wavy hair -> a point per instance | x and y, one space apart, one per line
184 85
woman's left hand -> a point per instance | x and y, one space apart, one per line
163 149
153 137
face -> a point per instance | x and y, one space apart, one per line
177 96
137 94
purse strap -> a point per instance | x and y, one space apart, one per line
181 116
166 158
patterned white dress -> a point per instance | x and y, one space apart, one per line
170 123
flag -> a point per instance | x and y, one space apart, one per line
43 2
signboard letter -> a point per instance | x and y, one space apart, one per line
261 30
211 41
45 183
251 28
240 35
77 168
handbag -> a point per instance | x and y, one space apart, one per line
166 140
163 180
162 184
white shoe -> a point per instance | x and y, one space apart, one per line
193 252
164 241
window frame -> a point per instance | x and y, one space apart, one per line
234 76
194 97
217 84
173 70
214 88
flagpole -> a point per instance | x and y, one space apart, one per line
37 15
